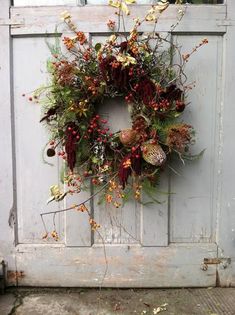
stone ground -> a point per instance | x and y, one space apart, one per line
38 301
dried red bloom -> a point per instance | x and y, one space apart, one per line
81 38
171 93
70 146
123 46
136 161
179 106
124 172
65 72
146 90
179 137
113 73
68 42
140 126
111 24
133 161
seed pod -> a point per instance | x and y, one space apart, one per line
50 152
153 154
128 137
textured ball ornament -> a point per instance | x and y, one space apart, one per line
128 137
153 154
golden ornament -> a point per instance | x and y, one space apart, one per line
153 154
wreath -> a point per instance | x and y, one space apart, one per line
137 68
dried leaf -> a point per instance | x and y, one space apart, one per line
130 1
56 194
160 308
125 9
115 4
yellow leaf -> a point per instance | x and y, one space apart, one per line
55 191
112 39
65 15
115 4
124 8
162 6
130 1
56 194
126 60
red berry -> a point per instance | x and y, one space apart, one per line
94 181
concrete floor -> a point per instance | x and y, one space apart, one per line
210 301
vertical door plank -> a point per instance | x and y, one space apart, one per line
226 216
193 202
154 216
7 200
34 177
77 227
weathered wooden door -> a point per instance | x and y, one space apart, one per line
158 246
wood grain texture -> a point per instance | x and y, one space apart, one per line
226 213
128 266
34 176
43 2
194 198
206 19
77 227
7 200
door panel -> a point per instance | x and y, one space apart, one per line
33 174
193 201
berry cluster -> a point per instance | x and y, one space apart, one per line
96 131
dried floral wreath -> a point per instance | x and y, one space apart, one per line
137 68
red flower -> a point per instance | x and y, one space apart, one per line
146 90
